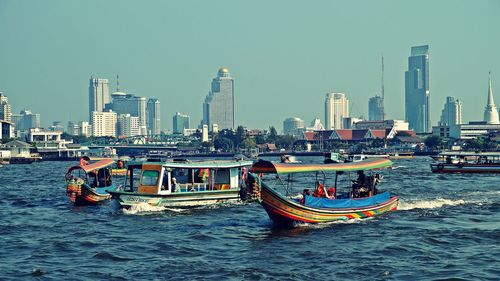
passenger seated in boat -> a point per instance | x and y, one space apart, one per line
330 193
359 186
92 179
175 186
305 192
319 191
284 158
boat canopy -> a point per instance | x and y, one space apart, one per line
285 168
220 164
470 153
98 165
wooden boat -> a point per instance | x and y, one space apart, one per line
467 162
285 210
87 184
181 183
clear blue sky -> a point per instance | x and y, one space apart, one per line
284 55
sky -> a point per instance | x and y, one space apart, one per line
285 56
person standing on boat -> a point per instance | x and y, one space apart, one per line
360 184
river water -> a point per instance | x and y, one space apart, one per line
447 228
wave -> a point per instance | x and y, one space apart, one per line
328 224
145 208
429 204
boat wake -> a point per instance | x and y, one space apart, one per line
146 208
328 224
428 204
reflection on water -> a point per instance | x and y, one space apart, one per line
447 226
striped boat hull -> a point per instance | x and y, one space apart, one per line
284 211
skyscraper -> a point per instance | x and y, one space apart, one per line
127 125
451 114
490 112
417 93
376 108
218 107
98 94
180 122
133 105
5 109
153 121
26 120
336 108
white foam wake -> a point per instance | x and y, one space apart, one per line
429 204
142 208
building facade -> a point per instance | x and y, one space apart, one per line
98 94
376 108
133 105
127 125
417 107
104 124
451 114
5 108
293 126
26 120
218 107
336 108
153 121
180 122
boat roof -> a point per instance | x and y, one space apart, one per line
202 164
469 153
286 168
98 165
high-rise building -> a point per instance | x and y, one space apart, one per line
218 107
490 112
98 94
336 108
291 126
127 125
26 120
417 111
451 114
376 108
104 124
5 109
133 105
153 120
180 122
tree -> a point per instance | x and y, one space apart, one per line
248 143
223 143
240 136
286 141
272 135
433 142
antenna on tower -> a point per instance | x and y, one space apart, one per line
117 82
382 89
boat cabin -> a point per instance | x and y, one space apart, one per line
463 157
175 177
94 175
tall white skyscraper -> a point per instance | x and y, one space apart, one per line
104 124
153 117
218 107
336 108
491 112
5 109
451 114
98 94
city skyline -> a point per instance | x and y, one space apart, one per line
293 70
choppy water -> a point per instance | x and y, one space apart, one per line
447 228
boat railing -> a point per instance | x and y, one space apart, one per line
195 187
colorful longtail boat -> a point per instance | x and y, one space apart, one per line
325 205
87 184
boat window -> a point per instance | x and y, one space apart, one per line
181 175
149 177
222 177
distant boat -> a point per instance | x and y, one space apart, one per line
325 205
87 184
181 183
466 162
